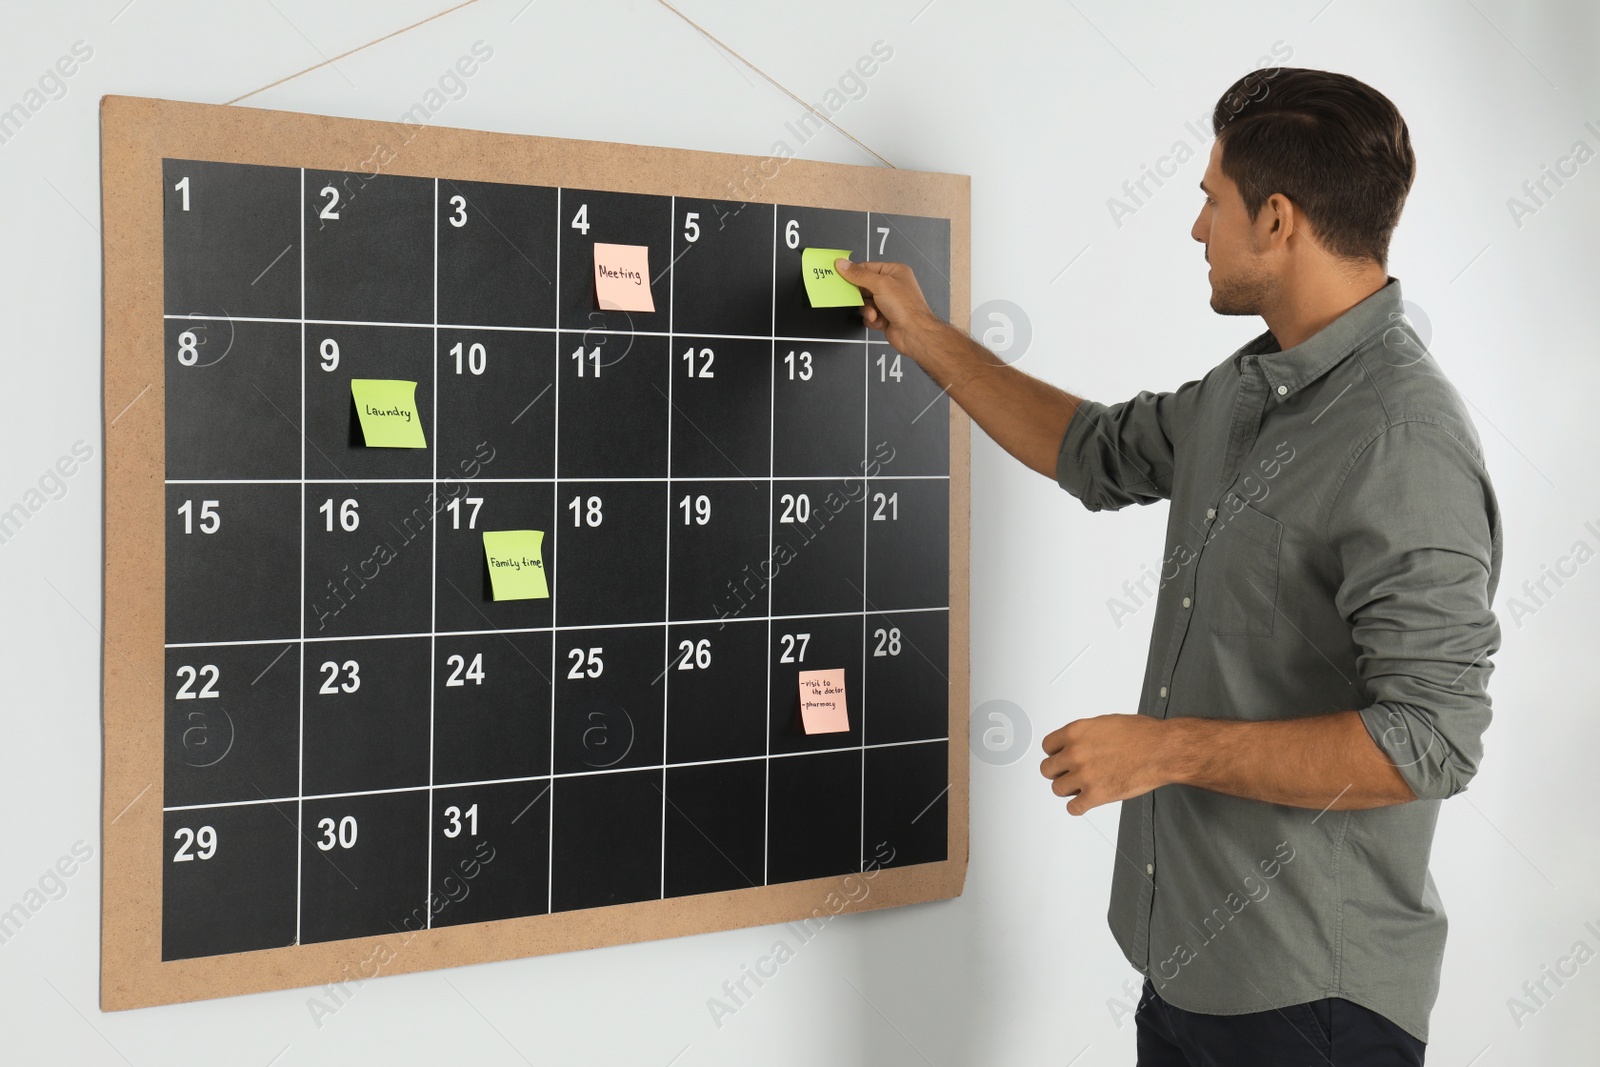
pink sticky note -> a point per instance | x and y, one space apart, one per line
622 278
822 702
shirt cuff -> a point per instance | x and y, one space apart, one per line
1072 473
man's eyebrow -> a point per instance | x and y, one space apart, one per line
1203 188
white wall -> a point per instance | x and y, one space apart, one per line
1050 108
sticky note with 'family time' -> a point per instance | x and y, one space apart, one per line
387 409
516 564
822 707
824 287
622 278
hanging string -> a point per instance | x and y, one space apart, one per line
353 51
707 35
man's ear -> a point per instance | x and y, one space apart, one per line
1280 219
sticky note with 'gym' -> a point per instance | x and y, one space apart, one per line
622 278
822 707
824 287
516 564
387 409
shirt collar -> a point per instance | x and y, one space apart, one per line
1289 370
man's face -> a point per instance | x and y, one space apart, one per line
1240 277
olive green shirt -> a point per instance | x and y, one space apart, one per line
1333 543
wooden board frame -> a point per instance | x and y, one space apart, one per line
136 134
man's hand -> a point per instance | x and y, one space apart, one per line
893 302
1106 759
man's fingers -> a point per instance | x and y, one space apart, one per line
876 266
865 276
1067 783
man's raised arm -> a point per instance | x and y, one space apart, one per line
1025 416
1108 456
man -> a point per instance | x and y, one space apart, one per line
1317 670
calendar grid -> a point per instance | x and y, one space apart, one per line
347 619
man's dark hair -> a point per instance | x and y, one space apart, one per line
1334 146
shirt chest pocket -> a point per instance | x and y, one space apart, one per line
1238 579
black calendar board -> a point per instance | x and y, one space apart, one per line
357 744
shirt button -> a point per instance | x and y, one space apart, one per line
1211 513
1186 601
1282 389
1149 868
1163 690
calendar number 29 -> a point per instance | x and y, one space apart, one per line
203 841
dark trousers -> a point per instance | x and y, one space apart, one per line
1331 1032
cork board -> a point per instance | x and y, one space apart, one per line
329 749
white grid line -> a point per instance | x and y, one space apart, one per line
536 481
433 593
732 620
555 468
866 501
666 584
300 788
524 329
772 458
558 774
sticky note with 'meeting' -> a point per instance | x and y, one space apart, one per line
387 409
822 704
516 564
824 287
622 278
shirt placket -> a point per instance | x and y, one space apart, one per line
1243 430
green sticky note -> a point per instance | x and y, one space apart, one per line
516 563
823 284
388 413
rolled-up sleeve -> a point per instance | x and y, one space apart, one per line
1415 528
1120 454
